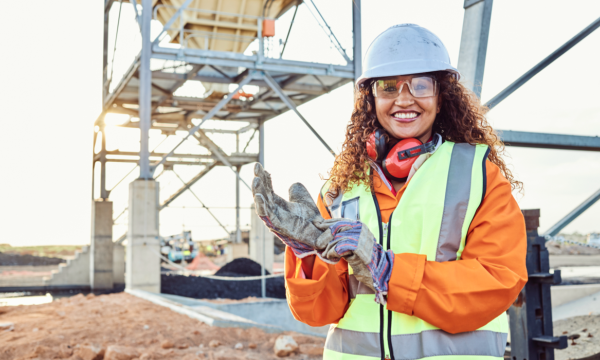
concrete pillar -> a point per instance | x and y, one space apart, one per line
261 241
101 254
473 43
143 245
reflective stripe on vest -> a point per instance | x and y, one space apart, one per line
420 345
432 218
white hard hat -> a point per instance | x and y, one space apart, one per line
405 49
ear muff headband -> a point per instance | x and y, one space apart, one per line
376 146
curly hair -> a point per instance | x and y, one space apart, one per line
461 119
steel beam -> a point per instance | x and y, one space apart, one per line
273 84
172 20
209 115
218 153
549 141
105 51
103 192
473 43
562 223
542 64
187 185
238 232
138 18
261 143
238 158
189 188
145 93
221 58
357 31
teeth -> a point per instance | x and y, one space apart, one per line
405 115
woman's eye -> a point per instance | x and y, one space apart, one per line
390 89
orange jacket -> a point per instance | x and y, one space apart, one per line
456 296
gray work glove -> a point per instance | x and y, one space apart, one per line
371 265
296 222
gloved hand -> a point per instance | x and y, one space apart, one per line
371 265
297 222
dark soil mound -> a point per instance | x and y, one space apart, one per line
28 260
199 287
241 267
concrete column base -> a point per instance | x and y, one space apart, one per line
101 249
143 244
261 237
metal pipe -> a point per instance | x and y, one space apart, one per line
554 229
357 38
201 203
261 142
103 192
290 29
238 232
145 96
334 41
543 64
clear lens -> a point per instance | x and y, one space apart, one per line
419 86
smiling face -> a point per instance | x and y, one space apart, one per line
405 116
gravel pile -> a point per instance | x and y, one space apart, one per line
199 287
8 259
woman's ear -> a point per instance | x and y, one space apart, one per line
439 104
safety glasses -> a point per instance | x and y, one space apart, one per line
419 86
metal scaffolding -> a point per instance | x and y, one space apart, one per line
149 95
471 64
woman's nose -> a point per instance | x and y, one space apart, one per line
404 98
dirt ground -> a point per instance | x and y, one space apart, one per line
126 327
586 329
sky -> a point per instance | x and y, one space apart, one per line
51 73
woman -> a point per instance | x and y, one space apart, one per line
420 175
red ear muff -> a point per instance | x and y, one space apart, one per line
376 146
401 157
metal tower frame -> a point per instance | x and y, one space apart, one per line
471 63
149 95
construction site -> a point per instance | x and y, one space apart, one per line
179 265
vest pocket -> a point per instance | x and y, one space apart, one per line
350 209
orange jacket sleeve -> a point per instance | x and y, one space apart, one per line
464 295
322 300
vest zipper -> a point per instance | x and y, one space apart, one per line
388 229
381 307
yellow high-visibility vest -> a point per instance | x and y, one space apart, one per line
432 218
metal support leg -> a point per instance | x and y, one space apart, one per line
261 160
473 43
357 30
103 191
290 103
105 56
238 232
145 95
531 314
261 142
